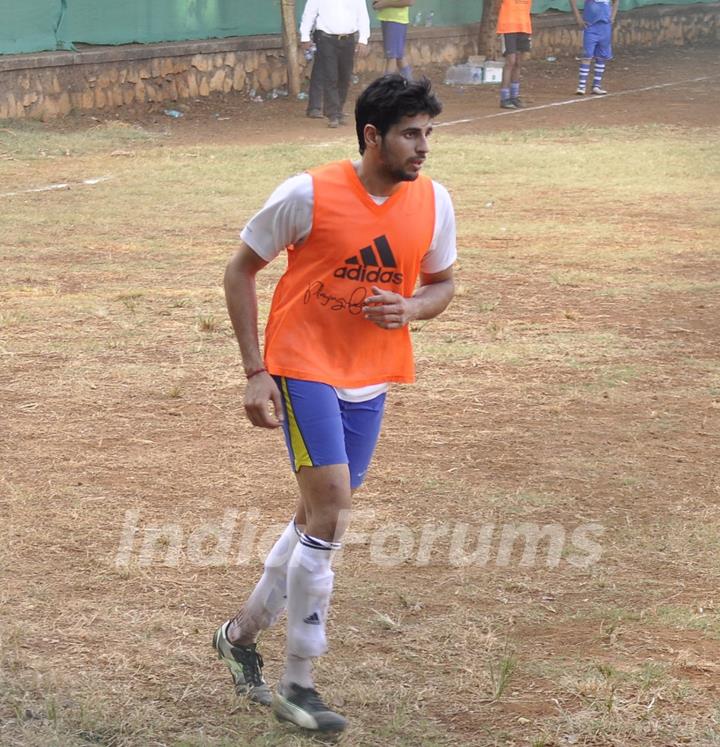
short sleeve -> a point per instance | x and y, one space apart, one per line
286 218
443 249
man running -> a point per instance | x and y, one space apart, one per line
371 247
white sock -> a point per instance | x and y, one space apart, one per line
268 599
297 670
309 585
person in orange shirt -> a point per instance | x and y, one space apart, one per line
515 26
371 247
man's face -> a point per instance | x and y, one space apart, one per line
404 147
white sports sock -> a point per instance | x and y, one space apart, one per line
309 585
297 670
268 599
598 74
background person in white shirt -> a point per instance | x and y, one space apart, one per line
342 27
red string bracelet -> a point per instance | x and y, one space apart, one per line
254 373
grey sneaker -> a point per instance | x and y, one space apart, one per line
315 114
303 706
599 91
334 122
507 104
245 665
518 103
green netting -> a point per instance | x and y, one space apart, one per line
109 22
445 12
112 22
28 26
36 25
540 6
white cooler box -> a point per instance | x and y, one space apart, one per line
493 70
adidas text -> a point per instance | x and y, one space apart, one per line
370 276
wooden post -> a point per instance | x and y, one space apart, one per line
290 45
487 40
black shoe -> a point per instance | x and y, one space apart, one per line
507 104
303 706
516 101
245 665
334 122
315 114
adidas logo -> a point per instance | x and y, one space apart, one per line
313 619
367 266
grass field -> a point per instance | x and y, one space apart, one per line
571 394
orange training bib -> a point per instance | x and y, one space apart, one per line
316 330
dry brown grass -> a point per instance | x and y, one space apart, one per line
574 381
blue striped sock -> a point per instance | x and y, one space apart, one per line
598 74
514 90
584 73
504 94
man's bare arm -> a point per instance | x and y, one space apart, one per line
241 300
576 13
391 310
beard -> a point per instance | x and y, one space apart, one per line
395 170
399 175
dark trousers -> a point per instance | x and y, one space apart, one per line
315 94
335 57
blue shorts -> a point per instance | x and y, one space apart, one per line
597 41
394 34
321 429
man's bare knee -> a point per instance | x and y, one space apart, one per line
326 495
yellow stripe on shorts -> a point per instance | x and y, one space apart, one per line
301 456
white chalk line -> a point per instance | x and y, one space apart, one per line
52 187
576 100
567 102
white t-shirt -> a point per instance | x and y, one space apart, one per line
286 218
335 17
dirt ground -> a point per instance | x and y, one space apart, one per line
620 449
234 119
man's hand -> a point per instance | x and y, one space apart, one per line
305 45
363 50
260 391
387 309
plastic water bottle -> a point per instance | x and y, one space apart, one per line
429 18
418 18
310 53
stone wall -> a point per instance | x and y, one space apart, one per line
651 26
53 84
56 83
